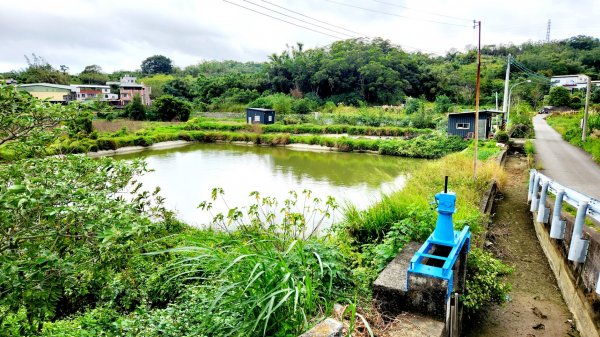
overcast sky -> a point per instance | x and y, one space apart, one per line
119 34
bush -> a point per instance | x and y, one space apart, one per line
442 104
413 105
80 124
559 96
484 286
167 108
303 106
135 109
501 137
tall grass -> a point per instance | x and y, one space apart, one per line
372 224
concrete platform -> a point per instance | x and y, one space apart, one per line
392 298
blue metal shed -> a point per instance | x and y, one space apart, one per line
260 116
463 123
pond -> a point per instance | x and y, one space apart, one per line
187 175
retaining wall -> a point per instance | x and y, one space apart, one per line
577 281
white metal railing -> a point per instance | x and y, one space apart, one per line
586 206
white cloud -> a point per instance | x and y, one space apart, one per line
120 34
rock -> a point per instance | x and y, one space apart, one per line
539 326
328 328
538 313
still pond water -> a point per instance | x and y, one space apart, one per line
186 176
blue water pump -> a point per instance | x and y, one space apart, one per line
438 255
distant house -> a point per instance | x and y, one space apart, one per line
128 88
577 81
56 93
260 116
463 123
86 92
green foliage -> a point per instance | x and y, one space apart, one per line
61 249
179 87
413 105
484 285
157 64
442 104
167 108
559 96
80 125
135 109
26 123
303 106
568 126
281 103
502 137
40 71
157 83
93 75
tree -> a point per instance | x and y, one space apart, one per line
93 74
442 104
136 110
559 96
167 108
26 122
40 71
157 64
179 87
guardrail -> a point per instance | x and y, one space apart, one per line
586 206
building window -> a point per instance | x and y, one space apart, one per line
463 126
270 118
257 118
105 96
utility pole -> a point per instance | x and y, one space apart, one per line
478 25
548 31
506 83
496 101
587 105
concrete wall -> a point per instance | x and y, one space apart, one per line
577 281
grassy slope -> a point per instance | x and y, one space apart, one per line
568 127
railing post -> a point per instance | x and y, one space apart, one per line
557 229
541 216
534 193
578 247
532 175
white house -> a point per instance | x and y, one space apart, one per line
85 92
578 81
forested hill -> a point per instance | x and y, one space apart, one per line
369 71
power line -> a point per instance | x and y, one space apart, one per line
276 18
306 16
396 15
421 10
317 31
289 16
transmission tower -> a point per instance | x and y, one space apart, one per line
548 31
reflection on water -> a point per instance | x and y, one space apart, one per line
186 175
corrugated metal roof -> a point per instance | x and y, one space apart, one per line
492 112
90 86
58 86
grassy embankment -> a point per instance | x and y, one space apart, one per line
406 141
568 125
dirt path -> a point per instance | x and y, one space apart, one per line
536 307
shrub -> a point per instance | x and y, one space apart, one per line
413 105
442 104
501 137
135 109
168 108
559 96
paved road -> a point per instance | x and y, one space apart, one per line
563 162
